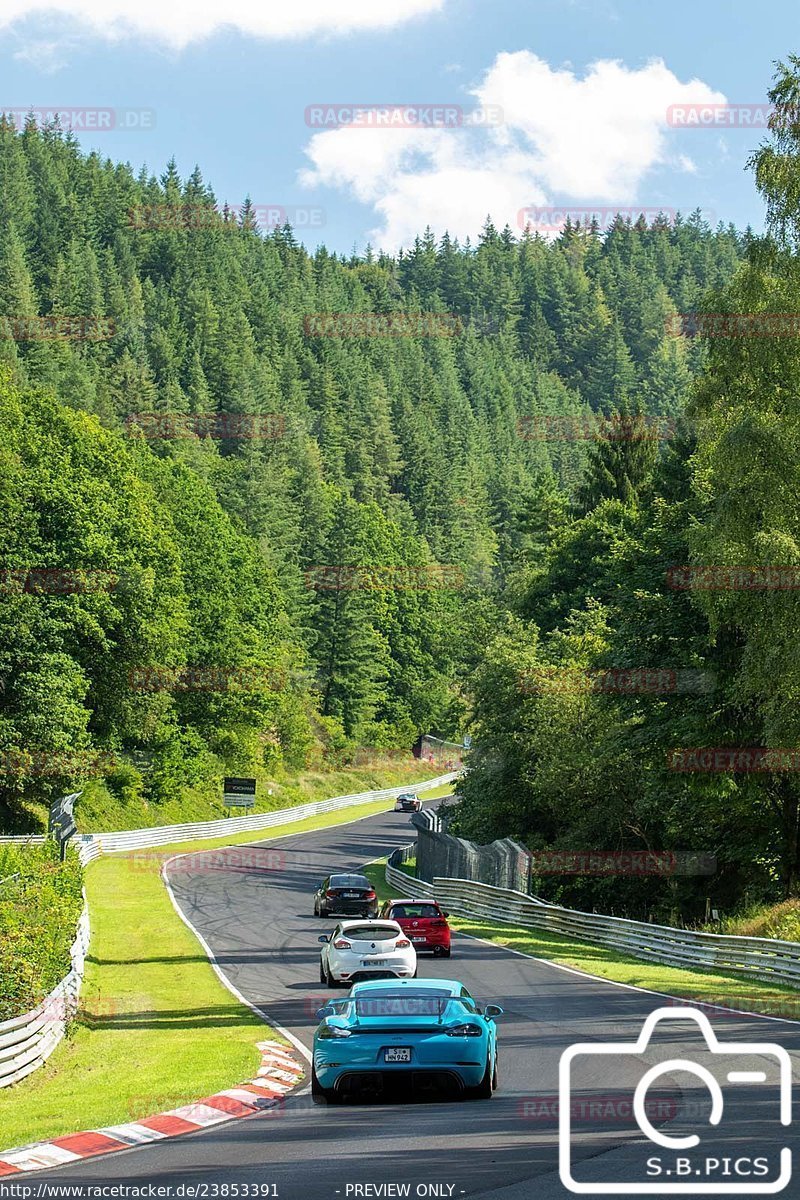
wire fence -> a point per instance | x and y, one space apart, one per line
502 863
505 863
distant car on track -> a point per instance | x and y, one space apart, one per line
407 802
360 949
428 1033
423 921
346 894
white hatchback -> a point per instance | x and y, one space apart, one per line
366 950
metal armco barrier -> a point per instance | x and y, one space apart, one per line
92 845
27 1042
762 958
406 885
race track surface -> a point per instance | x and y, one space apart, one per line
256 915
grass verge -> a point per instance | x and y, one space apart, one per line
725 991
40 904
99 810
780 921
157 1028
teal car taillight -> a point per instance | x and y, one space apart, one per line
465 1030
333 1031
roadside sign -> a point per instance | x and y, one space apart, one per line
61 825
239 792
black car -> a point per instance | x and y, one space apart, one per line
346 894
408 802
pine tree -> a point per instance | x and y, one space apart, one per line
620 461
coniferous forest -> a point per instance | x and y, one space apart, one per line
429 530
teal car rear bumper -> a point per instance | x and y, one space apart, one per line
343 1063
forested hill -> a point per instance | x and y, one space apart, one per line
389 452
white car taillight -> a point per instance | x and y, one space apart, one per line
341 944
402 944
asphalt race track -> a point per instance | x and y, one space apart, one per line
257 919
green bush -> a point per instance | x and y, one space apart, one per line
39 913
781 921
124 783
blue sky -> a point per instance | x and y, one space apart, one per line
583 87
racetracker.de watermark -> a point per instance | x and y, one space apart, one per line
55 581
83 120
722 116
205 216
717 578
734 759
64 1007
588 427
551 218
622 862
340 578
221 425
230 858
57 328
733 325
206 678
601 1106
46 763
756 1002
401 116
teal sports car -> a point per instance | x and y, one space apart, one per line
428 1034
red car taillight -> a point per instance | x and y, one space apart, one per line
402 943
341 944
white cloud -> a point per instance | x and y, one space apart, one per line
593 139
178 22
43 55
438 177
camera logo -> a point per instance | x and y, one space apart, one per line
731 1078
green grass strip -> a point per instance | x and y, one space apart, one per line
157 1027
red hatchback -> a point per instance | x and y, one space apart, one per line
423 922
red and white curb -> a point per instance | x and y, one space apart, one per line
279 1073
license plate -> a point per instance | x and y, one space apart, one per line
419 939
397 1054
373 962
350 895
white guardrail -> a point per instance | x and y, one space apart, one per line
762 958
92 845
26 1042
